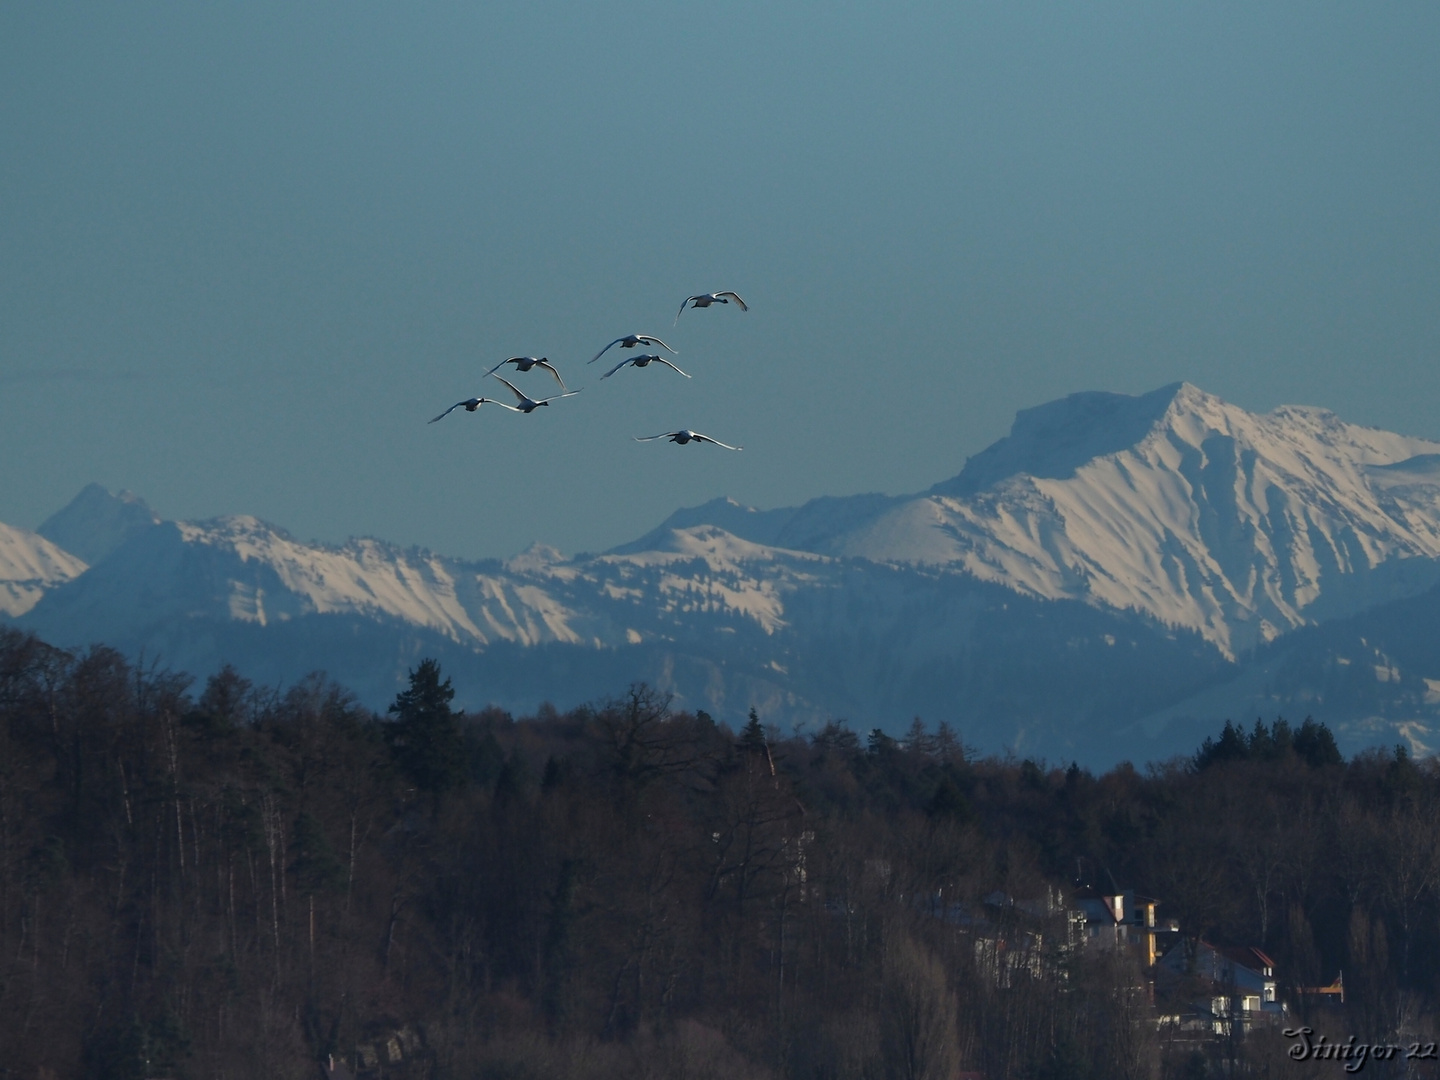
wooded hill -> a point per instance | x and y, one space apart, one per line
228 881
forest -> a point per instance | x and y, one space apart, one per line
227 880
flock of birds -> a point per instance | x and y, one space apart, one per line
527 404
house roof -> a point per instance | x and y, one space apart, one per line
1248 957
1245 955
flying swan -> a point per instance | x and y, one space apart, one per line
629 341
706 299
684 436
529 405
642 361
525 363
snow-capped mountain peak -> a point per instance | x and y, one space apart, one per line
1238 525
1175 503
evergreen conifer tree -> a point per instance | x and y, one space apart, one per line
753 735
425 735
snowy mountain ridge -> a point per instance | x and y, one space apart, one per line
1174 504
241 569
1110 558
1218 520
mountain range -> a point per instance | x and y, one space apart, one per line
1111 580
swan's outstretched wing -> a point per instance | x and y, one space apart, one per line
682 306
706 438
551 368
518 395
662 360
736 298
557 397
652 438
498 366
651 339
603 351
616 368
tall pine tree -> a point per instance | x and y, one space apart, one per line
425 735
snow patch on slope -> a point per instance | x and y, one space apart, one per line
738 577
29 566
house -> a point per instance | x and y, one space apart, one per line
1123 919
385 1051
1234 983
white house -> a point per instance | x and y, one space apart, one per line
1124 920
1239 981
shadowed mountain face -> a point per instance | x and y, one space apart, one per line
96 522
1375 676
1053 440
1110 560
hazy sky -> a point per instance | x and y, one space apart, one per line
248 249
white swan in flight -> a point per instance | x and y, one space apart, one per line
642 361
706 299
471 404
528 404
629 341
684 436
525 363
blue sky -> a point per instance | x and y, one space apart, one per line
247 250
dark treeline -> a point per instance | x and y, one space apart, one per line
223 881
